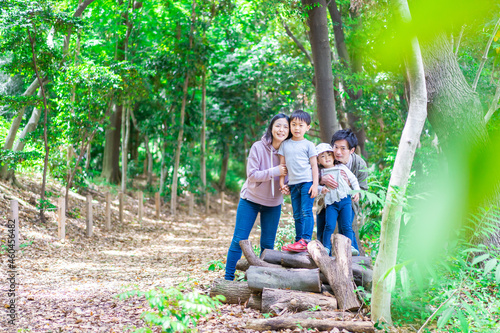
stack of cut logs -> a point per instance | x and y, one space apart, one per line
285 284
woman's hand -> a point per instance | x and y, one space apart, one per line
325 190
355 197
283 169
285 189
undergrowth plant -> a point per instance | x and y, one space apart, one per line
174 309
459 292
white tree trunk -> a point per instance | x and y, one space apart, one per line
391 216
125 130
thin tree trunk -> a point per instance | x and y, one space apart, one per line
173 203
485 55
45 139
391 215
126 131
320 46
224 167
493 105
203 161
163 169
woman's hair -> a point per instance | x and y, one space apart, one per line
269 132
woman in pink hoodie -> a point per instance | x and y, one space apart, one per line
261 192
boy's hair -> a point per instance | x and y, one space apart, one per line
301 115
347 135
269 132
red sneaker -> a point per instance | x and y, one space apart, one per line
300 246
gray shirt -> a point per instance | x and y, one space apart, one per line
297 155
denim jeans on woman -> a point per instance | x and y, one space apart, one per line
246 215
342 212
302 205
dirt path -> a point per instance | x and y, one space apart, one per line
70 286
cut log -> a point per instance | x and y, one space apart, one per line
276 257
363 261
314 320
235 292
255 302
246 248
281 278
277 300
242 264
363 276
338 272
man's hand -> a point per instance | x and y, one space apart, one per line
355 197
329 181
285 189
313 191
344 175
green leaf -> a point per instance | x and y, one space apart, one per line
464 324
497 274
445 317
490 264
480 258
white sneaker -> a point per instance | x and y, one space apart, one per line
354 251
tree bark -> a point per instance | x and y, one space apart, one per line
255 301
288 259
203 162
328 322
224 167
126 132
242 265
278 300
338 272
391 215
320 47
111 156
281 278
246 248
235 292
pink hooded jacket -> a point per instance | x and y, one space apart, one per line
263 181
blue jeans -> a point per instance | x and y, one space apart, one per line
246 214
339 211
302 205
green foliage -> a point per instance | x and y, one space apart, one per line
459 288
286 232
216 265
174 310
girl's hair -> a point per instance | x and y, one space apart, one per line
269 132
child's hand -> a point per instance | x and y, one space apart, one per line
325 190
283 169
285 189
313 191
355 198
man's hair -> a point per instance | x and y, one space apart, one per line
301 115
347 135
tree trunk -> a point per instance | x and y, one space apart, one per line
255 301
173 202
203 161
126 132
110 166
338 272
282 278
5 173
235 292
320 47
391 215
224 167
277 300
454 109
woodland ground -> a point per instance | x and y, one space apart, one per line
71 285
